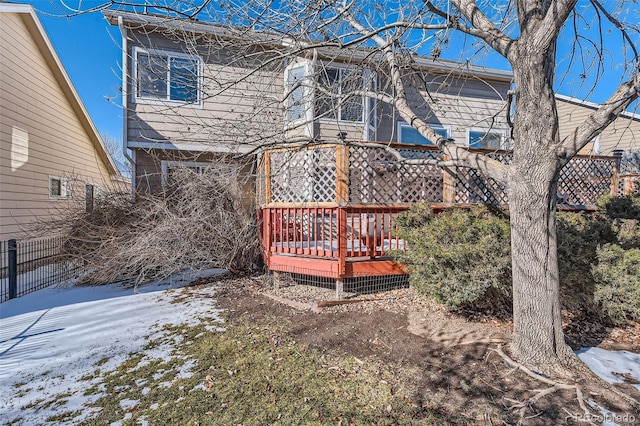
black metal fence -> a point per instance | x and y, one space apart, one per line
27 266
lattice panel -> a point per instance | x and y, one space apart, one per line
621 188
473 187
583 180
376 176
303 176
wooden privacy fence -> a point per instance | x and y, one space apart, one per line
329 209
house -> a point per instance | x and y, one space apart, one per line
195 93
329 181
51 155
623 134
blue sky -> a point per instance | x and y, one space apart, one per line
89 48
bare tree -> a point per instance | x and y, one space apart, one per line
385 36
114 148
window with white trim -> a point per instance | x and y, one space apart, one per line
343 106
58 187
295 104
486 139
167 76
408 134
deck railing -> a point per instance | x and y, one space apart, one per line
350 174
341 233
330 209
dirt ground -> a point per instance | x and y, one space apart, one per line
461 376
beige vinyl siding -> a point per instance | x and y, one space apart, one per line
452 102
31 99
623 133
227 117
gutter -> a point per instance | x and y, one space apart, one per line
125 101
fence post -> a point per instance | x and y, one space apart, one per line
448 183
615 172
342 174
13 268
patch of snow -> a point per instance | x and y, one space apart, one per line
199 387
184 371
71 330
610 366
607 363
126 404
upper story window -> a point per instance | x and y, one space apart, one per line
407 134
314 93
296 99
344 106
487 139
167 76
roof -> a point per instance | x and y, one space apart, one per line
33 24
168 23
594 106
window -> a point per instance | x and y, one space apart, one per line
58 187
296 98
407 134
343 107
167 76
487 139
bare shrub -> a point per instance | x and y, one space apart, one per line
203 220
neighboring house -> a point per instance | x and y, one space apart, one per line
192 96
623 134
51 155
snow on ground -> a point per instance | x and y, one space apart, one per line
52 338
612 366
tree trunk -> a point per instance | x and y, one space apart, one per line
538 340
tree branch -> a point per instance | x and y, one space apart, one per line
618 25
601 118
553 21
459 156
482 28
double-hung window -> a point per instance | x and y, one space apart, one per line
336 99
167 76
487 139
407 134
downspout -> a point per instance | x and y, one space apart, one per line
125 102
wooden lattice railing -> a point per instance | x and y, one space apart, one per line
628 184
344 174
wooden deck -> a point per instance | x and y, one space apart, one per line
329 210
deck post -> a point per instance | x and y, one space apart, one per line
342 174
267 177
339 289
342 241
448 183
629 183
615 172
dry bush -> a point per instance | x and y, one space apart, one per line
203 220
